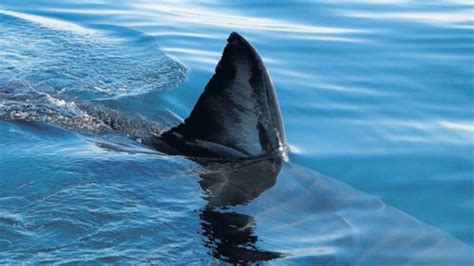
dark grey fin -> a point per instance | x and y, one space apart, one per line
237 115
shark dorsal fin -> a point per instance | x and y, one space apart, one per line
237 115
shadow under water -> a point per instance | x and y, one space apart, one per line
229 234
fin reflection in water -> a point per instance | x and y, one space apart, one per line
231 235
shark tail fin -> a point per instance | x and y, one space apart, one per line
237 115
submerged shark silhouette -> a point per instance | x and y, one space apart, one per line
237 120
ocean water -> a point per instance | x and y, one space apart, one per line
378 105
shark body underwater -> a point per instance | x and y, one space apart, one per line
237 119
236 131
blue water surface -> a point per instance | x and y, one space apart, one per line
375 94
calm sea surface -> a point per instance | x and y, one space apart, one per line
378 95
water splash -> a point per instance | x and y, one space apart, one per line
52 70
76 63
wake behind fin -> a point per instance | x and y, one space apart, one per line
237 115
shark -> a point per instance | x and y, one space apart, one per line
252 192
236 129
